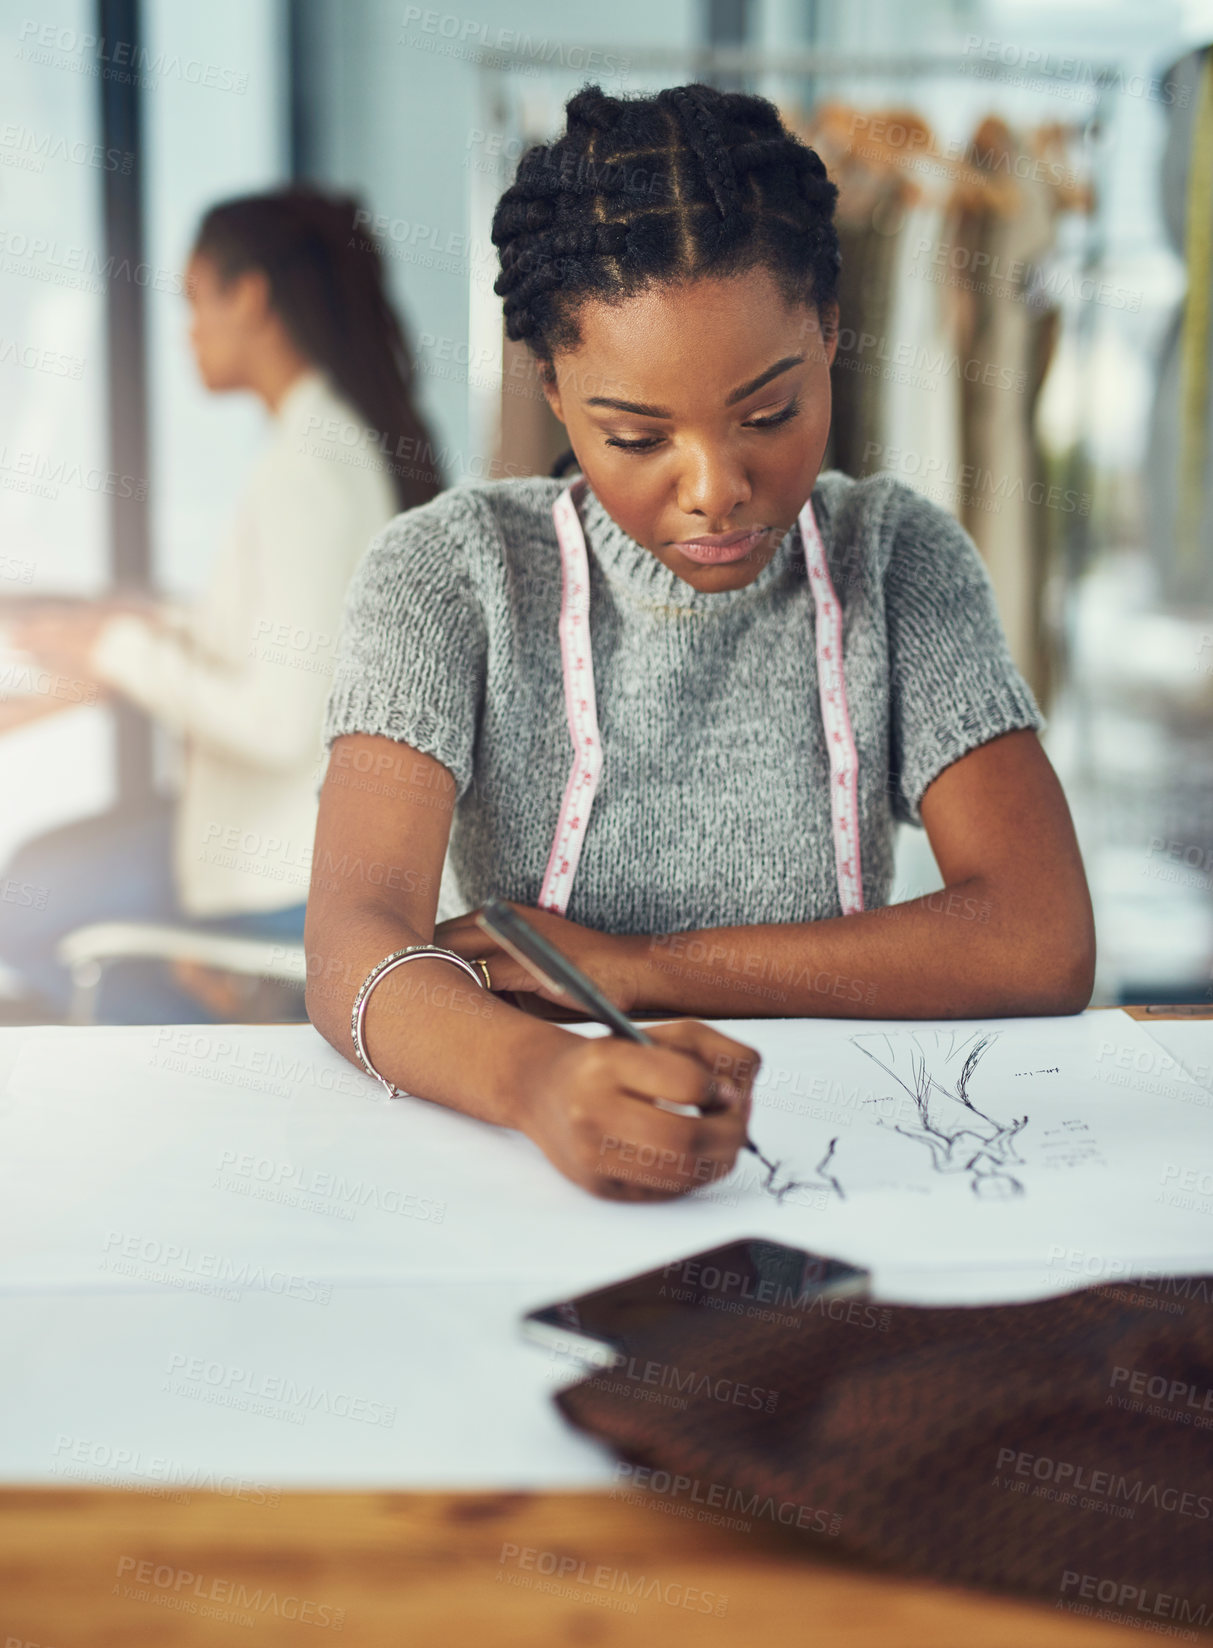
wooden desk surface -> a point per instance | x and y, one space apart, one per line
394 1570
1148 1015
85 1567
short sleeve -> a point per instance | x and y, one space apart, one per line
411 646
952 681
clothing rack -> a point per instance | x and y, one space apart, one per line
748 60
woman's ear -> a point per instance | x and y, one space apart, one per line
249 294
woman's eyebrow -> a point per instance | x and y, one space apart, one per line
639 410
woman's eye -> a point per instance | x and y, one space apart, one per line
632 446
784 415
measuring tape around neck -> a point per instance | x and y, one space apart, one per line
582 710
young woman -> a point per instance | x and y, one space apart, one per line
288 303
673 710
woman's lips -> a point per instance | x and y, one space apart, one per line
732 546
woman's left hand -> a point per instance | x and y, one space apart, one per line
63 638
606 958
59 642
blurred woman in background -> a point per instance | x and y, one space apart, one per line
287 298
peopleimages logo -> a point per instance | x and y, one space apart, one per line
985 488
225 1057
1073 1478
38 252
567 1571
176 1264
128 64
1161 1397
144 1580
349 1194
282 1390
94 1461
720 1495
1034 66
1123 1594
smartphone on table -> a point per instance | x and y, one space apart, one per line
602 1328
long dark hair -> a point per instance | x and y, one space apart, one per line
326 286
686 182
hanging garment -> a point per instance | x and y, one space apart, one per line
1179 453
1002 322
875 189
920 422
869 242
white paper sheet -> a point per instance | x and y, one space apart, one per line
1190 1043
422 1384
221 1160
272 1329
403 1385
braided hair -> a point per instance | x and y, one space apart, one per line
690 181
327 288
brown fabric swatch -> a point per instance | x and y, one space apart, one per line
1062 1449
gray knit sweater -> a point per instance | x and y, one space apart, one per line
713 805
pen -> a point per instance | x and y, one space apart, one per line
557 972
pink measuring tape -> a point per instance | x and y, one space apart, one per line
582 710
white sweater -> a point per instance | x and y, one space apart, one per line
244 674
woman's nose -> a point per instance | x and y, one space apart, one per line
713 486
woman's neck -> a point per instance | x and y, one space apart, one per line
274 372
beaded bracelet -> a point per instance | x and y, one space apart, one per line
381 970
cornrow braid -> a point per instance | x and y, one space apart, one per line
686 182
703 135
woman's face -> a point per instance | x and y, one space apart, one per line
700 411
225 320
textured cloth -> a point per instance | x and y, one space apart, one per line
713 805
243 674
1010 1446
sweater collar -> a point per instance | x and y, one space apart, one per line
636 572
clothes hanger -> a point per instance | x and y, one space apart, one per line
867 149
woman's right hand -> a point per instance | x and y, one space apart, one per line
590 1110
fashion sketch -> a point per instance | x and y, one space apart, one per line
936 1069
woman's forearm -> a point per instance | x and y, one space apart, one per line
257 712
962 952
427 1027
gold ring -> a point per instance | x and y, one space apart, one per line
484 968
